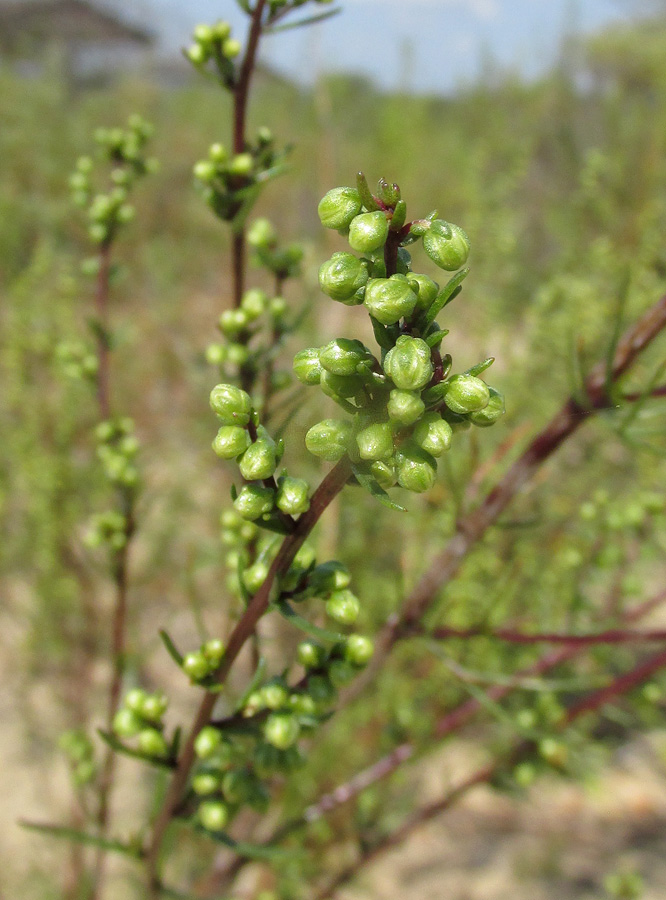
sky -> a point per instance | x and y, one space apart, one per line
423 45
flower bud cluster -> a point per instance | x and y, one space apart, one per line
200 664
283 262
77 360
405 404
117 448
80 753
124 151
214 43
140 717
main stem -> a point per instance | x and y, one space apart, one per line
103 349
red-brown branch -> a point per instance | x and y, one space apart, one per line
103 351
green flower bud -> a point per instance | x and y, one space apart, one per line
221 30
293 496
231 48
205 783
343 278
233 321
409 364
343 607
205 171
446 245
126 723
329 439
383 472
405 407
389 299
154 707
336 386
343 356
230 519
254 303
375 441
255 575
241 165
433 434
310 655
338 207
329 576
302 705
261 234
417 469
466 394
238 355
341 672
231 404
152 743
490 414
218 153
274 695
307 367
425 289
358 650
135 700
213 650
368 231
278 308
207 742
213 815
259 460
281 730
253 501
195 665
230 441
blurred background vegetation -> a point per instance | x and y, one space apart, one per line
561 185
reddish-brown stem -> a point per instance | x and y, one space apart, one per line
329 488
103 350
612 636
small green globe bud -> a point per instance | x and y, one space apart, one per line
203 34
216 354
126 723
213 815
338 207
293 496
409 363
425 289
241 165
302 705
321 690
486 417
135 700
466 394
221 30
154 707
207 742
255 575
205 171
253 304
233 321
230 441
433 434
231 48
345 386
259 460
329 576
343 278
98 233
205 783
281 730
253 501
375 441
341 672
383 471
237 355
278 308
389 299
405 407
368 231
213 650
358 650
274 695
311 655
125 214
152 743
231 404
262 234
197 54
217 153
343 607
343 356
307 367
447 245
84 164
196 666
329 439
417 469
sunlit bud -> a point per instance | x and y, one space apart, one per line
135 700
491 413
126 723
307 367
433 434
274 695
329 576
197 54
417 469
358 650
84 164
79 182
231 48
310 655
254 303
152 743
409 364
213 650
259 460
237 354
207 742
253 501
405 407
368 231
221 30
205 783
255 576
215 354
329 439
261 233
302 704
264 135
233 321
230 519
98 233
218 153
338 207
466 394
281 730
203 34
425 288
447 245
231 404
342 356
343 607
154 707
230 441
278 308
293 496
213 815
126 213
554 752
343 278
389 299
383 471
241 165
195 665
375 441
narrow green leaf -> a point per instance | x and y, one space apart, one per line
436 338
373 487
382 334
82 837
618 319
310 20
241 848
119 747
366 194
292 616
172 650
481 367
448 293
399 216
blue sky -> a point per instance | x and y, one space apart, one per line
438 44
